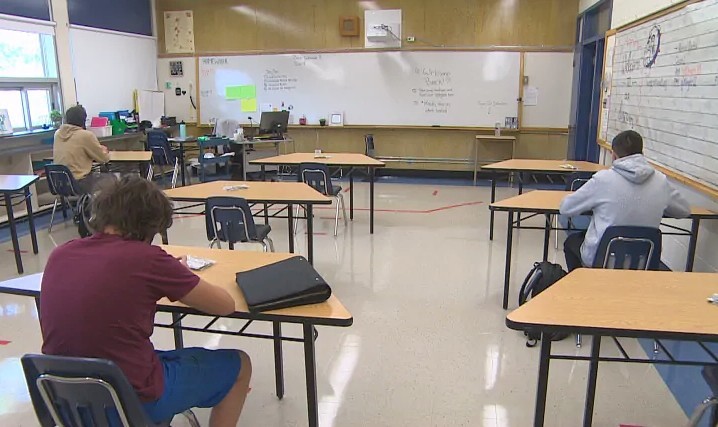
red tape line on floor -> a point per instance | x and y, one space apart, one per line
3 342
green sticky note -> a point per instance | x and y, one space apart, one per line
233 92
249 105
248 91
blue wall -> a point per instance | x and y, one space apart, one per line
127 16
37 9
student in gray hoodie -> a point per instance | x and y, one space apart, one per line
631 192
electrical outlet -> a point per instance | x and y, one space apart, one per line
411 39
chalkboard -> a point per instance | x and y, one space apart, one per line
474 89
664 85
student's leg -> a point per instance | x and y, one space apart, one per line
572 250
227 412
202 378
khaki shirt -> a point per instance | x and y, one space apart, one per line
77 149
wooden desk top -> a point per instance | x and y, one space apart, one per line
551 166
332 312
130 156
549 201
497 138
258 191
625 303
334 159
11 183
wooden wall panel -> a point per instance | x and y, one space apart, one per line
251 25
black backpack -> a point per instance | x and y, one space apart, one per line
84 204
541 276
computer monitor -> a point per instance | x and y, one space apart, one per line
273 122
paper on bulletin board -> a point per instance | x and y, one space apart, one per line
530 96
179 31
249 105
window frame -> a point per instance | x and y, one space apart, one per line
23 85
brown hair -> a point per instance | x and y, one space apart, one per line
136 208
627 143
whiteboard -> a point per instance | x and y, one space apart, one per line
474 89
665 86
109 66
551 73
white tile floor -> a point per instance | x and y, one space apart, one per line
428 346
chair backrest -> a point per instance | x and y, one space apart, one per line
369 145
81 392
159 145
629 248
60 181
316 175
576 180
229 219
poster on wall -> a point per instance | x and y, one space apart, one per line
5 126
179 32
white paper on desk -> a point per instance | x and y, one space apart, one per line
531 96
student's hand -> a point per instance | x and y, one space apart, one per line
105 149
183 260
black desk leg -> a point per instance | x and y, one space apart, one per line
351 195
507 269
692 243
263 173
290 218
310 234
165 240
266 214
542 388
493 199
13 233
371 200
183 171
592 377
546 236
278 361
310 369
31 220
177 330
521 191
37 306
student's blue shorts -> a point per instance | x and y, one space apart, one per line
194 378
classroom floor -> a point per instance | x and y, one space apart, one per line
428 346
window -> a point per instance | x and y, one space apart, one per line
29 87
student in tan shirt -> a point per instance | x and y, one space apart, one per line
77 148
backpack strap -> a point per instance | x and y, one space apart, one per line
528 284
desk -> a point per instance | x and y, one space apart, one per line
142 158
267 193
491 138
521 166
329 313
547 203
351 160
613 303
13 184
244 144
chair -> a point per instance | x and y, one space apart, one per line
162 155
710 374
83 392
369 145
629 248
229 219
63 186
316 175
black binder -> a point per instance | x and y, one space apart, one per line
287 283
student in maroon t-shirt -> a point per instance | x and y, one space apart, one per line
99 298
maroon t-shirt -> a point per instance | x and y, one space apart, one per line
99 298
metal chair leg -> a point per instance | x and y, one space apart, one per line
555 226
270 242
175 173
344 210
700 410
211 244
656 349
578 340
52 217
191 418
150 172
296 219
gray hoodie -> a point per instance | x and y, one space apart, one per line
631 192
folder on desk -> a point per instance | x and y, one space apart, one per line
288 283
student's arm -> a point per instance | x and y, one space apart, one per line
209 299
678 206
95 150
582 200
